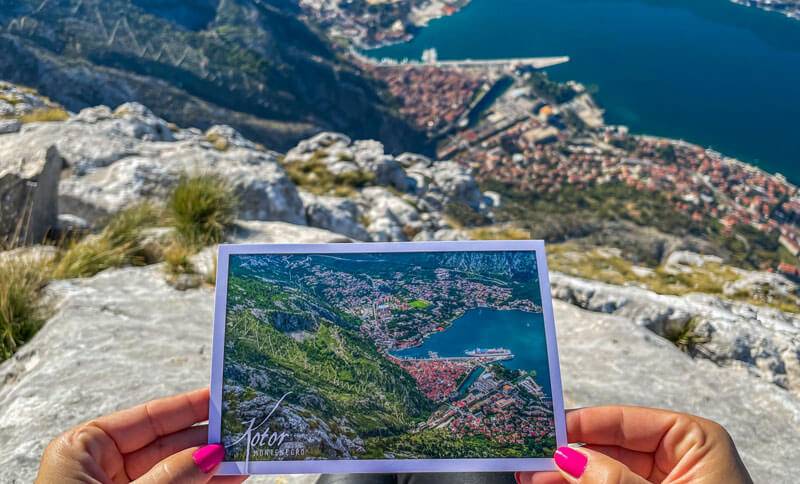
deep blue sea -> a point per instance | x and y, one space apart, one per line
519 331
707 71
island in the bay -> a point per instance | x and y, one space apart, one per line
417 355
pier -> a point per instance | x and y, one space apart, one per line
430 58
511 63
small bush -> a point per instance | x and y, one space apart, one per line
686 337
201 208
45 115
21 313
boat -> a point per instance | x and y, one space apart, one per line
488 352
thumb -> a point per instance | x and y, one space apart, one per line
196 465
585 466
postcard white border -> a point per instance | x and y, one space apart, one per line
386 465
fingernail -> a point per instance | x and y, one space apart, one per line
208 457
571 461
516 478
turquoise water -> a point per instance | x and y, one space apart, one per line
519 331
707 71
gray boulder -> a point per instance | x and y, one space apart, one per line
387 171
391 218
334 213
456 184
28 191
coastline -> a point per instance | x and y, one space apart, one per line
774 158
449 324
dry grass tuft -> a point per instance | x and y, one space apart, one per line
201 209
117 245
45 115
21 311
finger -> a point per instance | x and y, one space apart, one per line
136 427
585 466
639 462
140 461
634 428
195 465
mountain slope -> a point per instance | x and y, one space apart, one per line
248 63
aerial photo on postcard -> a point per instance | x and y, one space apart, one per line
399 355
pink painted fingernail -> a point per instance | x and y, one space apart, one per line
208 457
571 461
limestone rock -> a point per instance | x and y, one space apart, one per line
9 126
457 184
370 157
6 108
258 232
334 213
607 359
391 218
120 157
28 191
229 137
683 261
763 340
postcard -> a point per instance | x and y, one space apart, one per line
385 357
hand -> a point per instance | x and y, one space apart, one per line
153 442
633 445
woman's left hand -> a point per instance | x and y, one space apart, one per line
154 442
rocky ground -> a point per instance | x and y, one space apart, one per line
741 364
129 321
99 161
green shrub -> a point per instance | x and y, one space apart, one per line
21 313
201 208
686 337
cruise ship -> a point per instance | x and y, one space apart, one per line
488 352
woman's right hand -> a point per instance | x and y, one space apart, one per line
634 445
